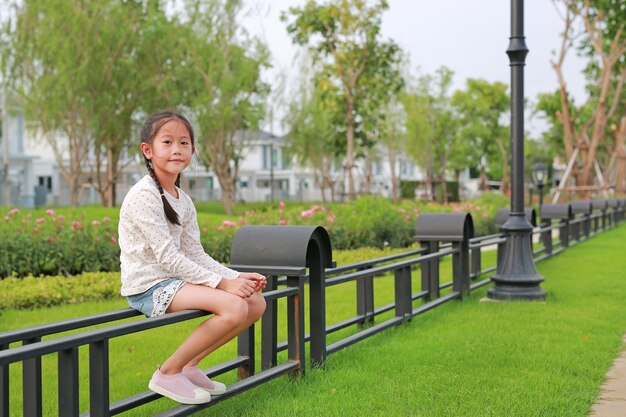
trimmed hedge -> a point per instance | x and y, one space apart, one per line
46 291
54 245
34 292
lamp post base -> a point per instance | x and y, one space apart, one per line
517 278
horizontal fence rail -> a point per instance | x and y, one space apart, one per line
301 258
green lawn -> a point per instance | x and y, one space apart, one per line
467 358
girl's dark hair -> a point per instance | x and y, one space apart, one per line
150 128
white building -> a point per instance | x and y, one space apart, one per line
265 162
18 164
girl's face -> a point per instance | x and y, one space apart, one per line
170 151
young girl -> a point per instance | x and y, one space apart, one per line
165 269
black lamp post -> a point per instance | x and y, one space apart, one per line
539 176
517 277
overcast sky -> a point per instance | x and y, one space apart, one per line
469 37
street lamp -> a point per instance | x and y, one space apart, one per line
517 278
539 177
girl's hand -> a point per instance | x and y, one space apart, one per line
242 287
260 280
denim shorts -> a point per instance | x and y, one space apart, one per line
155 301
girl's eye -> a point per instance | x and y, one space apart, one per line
167 141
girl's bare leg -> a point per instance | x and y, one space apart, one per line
229 312
256 307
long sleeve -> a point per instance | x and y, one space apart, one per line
191 246
151 246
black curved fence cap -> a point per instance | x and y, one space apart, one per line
599 204
557 211
444 227
279 245
582 207
502 215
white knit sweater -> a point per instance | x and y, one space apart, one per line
152 249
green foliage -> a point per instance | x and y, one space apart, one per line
37 243
370 221
344 37
53 245
36 292
82 69
220 83
480 109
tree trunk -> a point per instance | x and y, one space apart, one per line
620 138
444 190
395 180
349 165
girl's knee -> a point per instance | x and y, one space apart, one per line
236 312
256 306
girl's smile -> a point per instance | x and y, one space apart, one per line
170 152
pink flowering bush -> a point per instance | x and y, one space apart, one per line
53 245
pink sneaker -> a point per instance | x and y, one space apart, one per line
199 378
178 388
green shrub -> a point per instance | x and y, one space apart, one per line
371 221
46 243
45 291
34 292
54 245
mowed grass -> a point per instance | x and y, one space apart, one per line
468 358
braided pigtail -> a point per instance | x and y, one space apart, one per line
148 132
170 213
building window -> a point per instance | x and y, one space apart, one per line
45 182
270 153
378 167
286 159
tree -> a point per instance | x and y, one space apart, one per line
431 127
344 36
604 43
481 109
82 70
222 87
315 131
393 138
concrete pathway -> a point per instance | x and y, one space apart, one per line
612 399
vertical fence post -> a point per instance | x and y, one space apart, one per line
4 387
269 335
68 382
476 263
574 229
295 325
430 271
546 236
460 268
245 347
403 292
564 232
317 289
365 298
99 379
586 226
31 389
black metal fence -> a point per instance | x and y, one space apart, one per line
284 254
